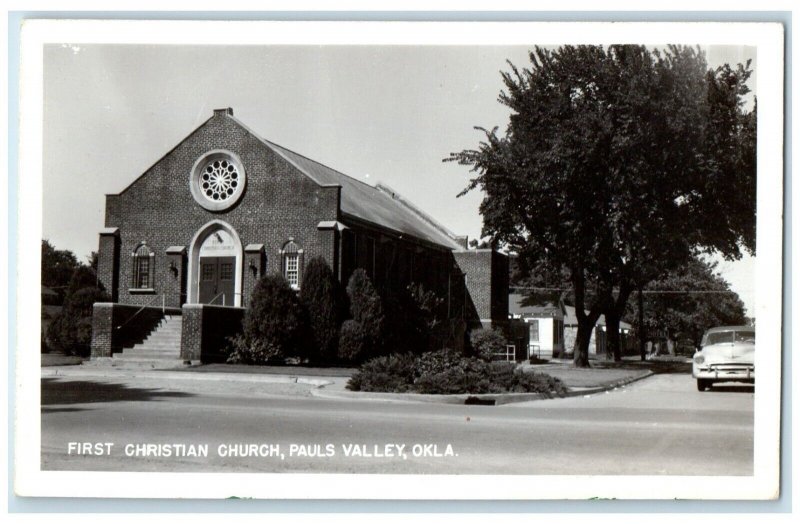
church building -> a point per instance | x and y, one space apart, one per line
185 243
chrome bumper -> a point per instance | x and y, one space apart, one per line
725 372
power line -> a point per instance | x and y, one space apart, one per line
644 292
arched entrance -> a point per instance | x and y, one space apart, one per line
215 266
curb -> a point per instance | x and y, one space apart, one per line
460 399
577 392
50 372
496 399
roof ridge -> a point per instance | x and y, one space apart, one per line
270 142
383 188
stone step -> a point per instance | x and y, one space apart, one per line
160 340
167 348
143 363
164 342
148 355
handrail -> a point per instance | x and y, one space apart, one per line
220 294
149 302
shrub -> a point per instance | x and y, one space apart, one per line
446 372
486 343
536 382
324 300
392 373
71 330
365 303
352 346
255 352
412 319
366 310
275 324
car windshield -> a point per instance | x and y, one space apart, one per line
722 337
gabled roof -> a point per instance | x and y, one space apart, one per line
369 203
365 202
520 305
376 205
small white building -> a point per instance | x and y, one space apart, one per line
545 325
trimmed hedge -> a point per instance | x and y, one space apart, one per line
487 342
325 303
446 372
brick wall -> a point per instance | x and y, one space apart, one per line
118 326
279 202
205 331
108 262
486 280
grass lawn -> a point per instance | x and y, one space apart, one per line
59 359
604 372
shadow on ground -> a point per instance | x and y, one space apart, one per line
656 366
739 388
60 392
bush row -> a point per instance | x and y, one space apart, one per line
325 324
447 372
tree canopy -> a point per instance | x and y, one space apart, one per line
618 165
682 316
57 268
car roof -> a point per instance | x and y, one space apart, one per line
730 328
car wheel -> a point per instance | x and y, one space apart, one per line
703 384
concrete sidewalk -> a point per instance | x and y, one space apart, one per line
578 381
130 373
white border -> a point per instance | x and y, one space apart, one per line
762 485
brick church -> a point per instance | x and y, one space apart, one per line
185 243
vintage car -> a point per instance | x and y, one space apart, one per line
726 354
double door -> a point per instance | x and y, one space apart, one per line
217 277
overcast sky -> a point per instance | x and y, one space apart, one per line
379 114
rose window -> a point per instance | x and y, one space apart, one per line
219 180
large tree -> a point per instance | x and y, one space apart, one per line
58 265
686 302
618 165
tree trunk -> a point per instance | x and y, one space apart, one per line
614 312
612 335
641 329
582 340
585 322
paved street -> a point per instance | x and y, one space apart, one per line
660 425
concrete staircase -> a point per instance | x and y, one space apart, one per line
163 343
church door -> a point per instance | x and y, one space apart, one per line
216 280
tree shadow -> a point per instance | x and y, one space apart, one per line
657 367
60 410
58 392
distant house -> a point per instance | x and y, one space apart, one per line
597 343
545 325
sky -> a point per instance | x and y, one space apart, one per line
386 114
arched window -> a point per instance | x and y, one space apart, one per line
292 262
142 273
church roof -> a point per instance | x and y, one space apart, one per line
377 205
